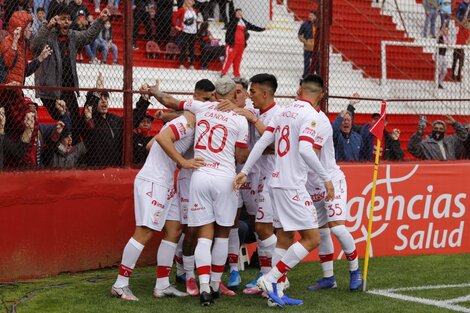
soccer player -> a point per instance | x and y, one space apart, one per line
331 214
153 195
293 131
221 140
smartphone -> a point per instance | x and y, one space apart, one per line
422 121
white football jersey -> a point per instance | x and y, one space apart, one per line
324 143
158 166
217 134
294 123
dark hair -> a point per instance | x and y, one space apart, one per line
241 81
265 79
61 9
313 78
40 9
204 27
104 94
238 9
204 85
313 12
375 116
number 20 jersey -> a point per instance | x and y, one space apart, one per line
217 134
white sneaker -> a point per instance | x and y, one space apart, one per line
264 285
168 292
124 293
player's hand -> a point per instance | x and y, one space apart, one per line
330 191
226 105
450 120
192 164
395 134
246 113
239 181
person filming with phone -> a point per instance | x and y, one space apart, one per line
437 145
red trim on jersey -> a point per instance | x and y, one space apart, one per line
317 109
218 268
282 267
351 256
204 270
270 129
163 271
326 257
232 258
181 105
175 131
242 145
306 138
316 146
125 271
268 108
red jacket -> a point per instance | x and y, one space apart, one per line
16 74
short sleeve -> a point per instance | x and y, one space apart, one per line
271 125
242 138
179 127
308 129
194 106
323 132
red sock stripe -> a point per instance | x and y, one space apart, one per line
282 267
352 256
125 271
178 260
218 268
326 257
264 261
233 258
163 271
282 279
204 270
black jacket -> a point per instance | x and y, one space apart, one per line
232 28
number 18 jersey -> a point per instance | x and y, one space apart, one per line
216 136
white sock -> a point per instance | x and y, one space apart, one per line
293 256
219 257
277 255
165 254
188 264
348 245
265 253
233 249
130 256
203 256
325 252
179 257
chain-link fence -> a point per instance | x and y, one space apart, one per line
54 71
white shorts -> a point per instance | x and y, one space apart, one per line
293 209
182 200
153 204
211 200
330 211
249 194
265 207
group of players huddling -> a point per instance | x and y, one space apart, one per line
287 178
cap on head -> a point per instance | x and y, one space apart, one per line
224 86
439 122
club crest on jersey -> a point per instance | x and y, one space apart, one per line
296 198
313 124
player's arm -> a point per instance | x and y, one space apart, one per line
252 119
166 140
241 154
164 98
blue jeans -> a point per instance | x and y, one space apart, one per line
113 47
431 18
91 49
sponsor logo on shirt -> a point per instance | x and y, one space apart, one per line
212 165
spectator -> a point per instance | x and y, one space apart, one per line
204 6
223 10
82 23
464 148
430 9
105 41
236 41
309 36
438 146
163 20
141 137
442 60
445 11
39 19
12 6
97 6
113 6
66 155
60 69
390 149
54 8
103 131
348 143
184 20
41 4
77 8
210 47
12 149
459 53
141 16
462 11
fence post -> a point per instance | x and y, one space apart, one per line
326 15
127 83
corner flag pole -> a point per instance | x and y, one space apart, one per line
377 129
371 215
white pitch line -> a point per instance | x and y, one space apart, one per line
460 299
437 303
424 287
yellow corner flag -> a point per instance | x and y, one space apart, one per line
377 129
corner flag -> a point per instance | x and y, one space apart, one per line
378 128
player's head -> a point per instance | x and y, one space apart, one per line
311 88
225 89
262 89
204 90
241 89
